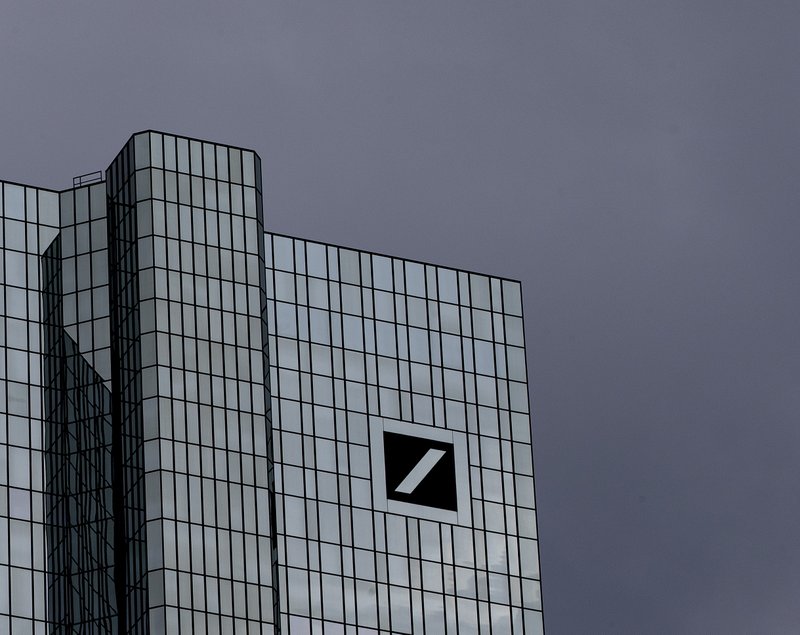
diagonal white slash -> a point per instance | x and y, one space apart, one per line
420 471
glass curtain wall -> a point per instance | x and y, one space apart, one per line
78 415
187 293
209 428
365 347
30 222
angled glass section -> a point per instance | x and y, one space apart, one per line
78 441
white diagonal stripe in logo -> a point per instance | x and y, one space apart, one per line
420 471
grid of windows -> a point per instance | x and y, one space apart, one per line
131 575
78 416
360 340
191 213
209 428
29 223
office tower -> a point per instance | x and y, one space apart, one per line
211 428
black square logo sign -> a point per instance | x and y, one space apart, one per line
420 471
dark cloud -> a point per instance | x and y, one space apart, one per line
634 163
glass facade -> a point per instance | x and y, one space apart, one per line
30 219
378 363
208 428
78 430
188 310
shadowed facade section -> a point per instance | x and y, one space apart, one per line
78 442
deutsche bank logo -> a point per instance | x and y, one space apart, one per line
420 471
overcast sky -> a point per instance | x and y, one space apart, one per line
635 163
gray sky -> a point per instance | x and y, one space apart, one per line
634 162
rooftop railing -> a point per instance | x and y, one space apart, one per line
85 179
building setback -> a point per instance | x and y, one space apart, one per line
209 428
